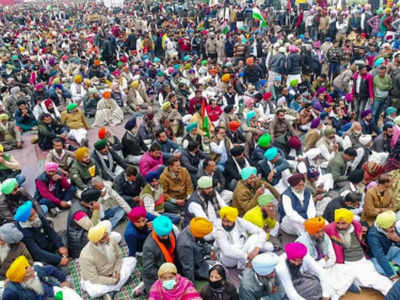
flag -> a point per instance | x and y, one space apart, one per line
225 28
162 10
206 120
258 16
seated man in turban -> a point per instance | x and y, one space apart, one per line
44 244
159 247
53 189
75 120
108 112
237 161
83 169
103 269
301 276
109 163
346 235
260 280
26 282
351 201
192 135
249 189
296 206
10 135
193 249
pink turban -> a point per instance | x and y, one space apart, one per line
295 250
39 86
248 101
136 213
117 73
293 48
51 166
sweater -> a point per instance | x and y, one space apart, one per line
382 87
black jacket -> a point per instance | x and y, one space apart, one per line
118 160
294 64
128 190
132 144
230 292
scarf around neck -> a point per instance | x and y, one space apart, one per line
168 253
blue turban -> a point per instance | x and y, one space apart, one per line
156 60
130 124
391 110
344 128
177 66
240 74
250 115
23 212
162 225
152 175
191 127
265 263
271 153
263 82
379 61
247 172
186 58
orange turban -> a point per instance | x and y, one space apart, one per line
102 133
313 225
234 125
107 95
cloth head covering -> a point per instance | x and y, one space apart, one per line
23 212
264 264
265 199
71 107
135 84
10 233
247 172
191 127
8 186
250 115
92 91
236 151
295 179
204 182
152 175
356 176
295 250
17 270
48 102
100 144
3 117
365 113
102 133
200 227
51 167
229 212
81 152
313 225
315 122
166 105
162 225
78 79
97 232
267 96
264 140
318 106
365 139
167 268
343 214
379 61
391 110
329 130
136 213
90 195
234 125
271 153
130 124
384 220
225 78
107 95
294 142
294 82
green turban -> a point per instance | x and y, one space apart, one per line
100 144
71 106
264 141
8 186
265 199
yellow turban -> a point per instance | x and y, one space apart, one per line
17 270
226 77
229 212
386 219
135 84
343 214
166 105
167 268
313 225
96 233
78 79
200 227
1 148
81 152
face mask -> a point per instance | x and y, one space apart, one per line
216 284
169 284
228 228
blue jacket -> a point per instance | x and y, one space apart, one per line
15 291
168 148
379 246
135 238
302 210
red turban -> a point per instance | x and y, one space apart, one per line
295 179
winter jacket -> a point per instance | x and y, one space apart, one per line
277 63
176 187
293 64
148 163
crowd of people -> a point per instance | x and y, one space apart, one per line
260 156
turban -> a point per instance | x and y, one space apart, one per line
167 268
51 167
23 212
318 106
313 225
365 139
226 77
293 48
229 212
329 130
96 62
10 233
200 227
166 105
135 84
90 195
100 144
234 125
81 152
365 113
271 153
386 219
267 96
78 79
117 73
102 133
247 172
71 106
48 102
152 175
191 127
17 270
156 60
390 110
14 90
295 179
315 122
295 250
294 143
343 214
265 263
92 91
107 95
39 86
294 82
379 61
263 82
162 225
8 186
321 90
186 58
97 232
349 97
3 117
204 182
236 151
56 82
250 115
130 124
264 140
136 213
265 199
248 101
160 74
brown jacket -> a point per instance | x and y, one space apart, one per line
179 187
374 203
244 197
95 267
16 250
74 120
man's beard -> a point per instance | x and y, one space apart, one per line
34 284
108 251
4 251
241 162
294 270
36 223
167 242
345 235
208 197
